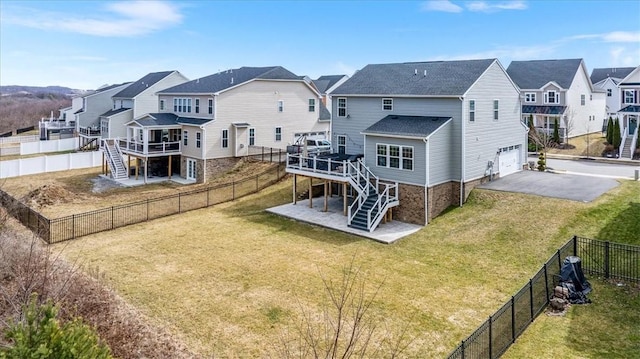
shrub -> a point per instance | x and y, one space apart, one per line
556 133
40 335
616 139
542 162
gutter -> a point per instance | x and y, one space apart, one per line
462 171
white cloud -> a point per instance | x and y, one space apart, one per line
505 53
484 6
440 5
623 57
342 68
119 19
614 36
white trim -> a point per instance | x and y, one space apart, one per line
400 157
383 104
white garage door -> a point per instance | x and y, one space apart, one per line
509 162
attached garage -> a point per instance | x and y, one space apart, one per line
509 160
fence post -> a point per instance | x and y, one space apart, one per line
233 190
531 298
462 349
513 320
606 259
208 191
575 245
112 222
270 155
490 337
262 159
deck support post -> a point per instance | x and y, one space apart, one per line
137 167
128 166
344 198
169 169
146 170
310 192
104 162
295 182
326 198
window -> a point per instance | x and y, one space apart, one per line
225 138
342 144
551 97
140 134
342 107
530 97
161 105
629 96
185 135
278 133
252 137
472 110
387 104
211 106
312 105
181 105
197 105
609 93
496 108
280 106
198 139
583 99
394 156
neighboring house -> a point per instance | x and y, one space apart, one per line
326 84
559 89
203 126
607 80
133 101
87 110
629 113
429 132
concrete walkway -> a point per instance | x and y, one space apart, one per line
334 219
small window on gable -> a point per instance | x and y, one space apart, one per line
312 105
472 110
551 97
161 105
530 97
496 109
280 106
197 105
387 104
609 93
210 106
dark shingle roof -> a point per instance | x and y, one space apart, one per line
137 87
114 112
598 75
438 78
169 119
223 80
537 73
323 83
324 112
412 126
109 87
631 108
544 110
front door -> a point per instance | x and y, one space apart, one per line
191 169
633 124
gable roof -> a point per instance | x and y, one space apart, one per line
435 78
142 84
230 78
115 112
598 75
406 126
110 87
323 83
167 119
537 73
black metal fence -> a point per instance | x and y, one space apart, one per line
7 134
105 219
25 129
496 334
267 154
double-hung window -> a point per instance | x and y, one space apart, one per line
280 106
197 105
312 105
252 137
161 105
530 97
185 137
496 109
472 110
181 105
387 104
551 97
609 93
629 96
394 156
342 144
210 106
278 133
583 100
342 106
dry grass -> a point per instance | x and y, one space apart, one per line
231 278
71 191
578 146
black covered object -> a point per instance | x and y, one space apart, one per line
572 278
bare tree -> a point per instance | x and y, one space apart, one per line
347 326
569 123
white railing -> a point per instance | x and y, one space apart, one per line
90 131
111 151
149 148
381 205
623 139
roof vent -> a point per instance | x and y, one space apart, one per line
415 72
232 80
425 73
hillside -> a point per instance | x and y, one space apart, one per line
36 90
21 110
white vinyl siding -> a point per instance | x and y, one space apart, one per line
472 110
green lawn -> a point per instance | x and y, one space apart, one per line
232 278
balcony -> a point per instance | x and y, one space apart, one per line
90 131
150 149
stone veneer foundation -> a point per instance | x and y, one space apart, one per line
214 167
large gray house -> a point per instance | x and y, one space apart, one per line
429 131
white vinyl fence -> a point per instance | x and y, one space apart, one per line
67 144
42 164
19 139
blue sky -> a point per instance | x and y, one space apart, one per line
85 44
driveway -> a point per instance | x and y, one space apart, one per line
556 185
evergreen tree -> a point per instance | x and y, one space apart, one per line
617 140
542 162
610 131
556 133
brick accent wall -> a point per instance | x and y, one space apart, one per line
411 208
441 197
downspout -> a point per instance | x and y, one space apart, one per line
462 160
426 181
202 154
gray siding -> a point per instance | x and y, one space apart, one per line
364 111
443 166
416 176
485 136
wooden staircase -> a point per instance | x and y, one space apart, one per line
373 201
114 159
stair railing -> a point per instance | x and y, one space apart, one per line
381 205
634 142
624 139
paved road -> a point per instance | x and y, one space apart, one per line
592 168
